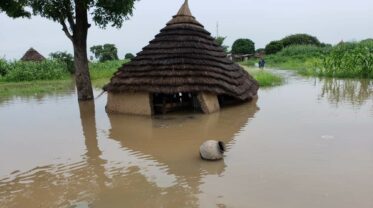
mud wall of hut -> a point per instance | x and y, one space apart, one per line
138 103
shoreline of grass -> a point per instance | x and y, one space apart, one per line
264 78
345 60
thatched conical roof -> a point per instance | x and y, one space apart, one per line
32 55
184 57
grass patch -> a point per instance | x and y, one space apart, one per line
345 60
102 70
35 88
264 78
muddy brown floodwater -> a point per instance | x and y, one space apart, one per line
308 143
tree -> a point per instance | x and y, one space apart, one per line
72 15
66 58
274 47
129 56
220 41
105 52
243 46
14 8
300 39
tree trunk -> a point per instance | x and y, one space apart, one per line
82 77
79 39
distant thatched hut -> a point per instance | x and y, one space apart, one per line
32 55
182 67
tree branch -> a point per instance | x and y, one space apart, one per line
70 19
66 30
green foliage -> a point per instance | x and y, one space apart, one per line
114 12
14 8
107 52
3 67
260 50
349 60
129 56
273 47
220 41
105 69
297 57
343 60
296 39
103 12
264 78
28 71
243 46
300 39
35 88
66 58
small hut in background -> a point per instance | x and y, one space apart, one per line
183 67
32 55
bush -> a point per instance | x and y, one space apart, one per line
243 46
300 39
273 47
104 70
303 51
220 41
129 56
3 67
66 58
349 60
107 52
28 71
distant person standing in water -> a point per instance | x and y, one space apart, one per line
261 63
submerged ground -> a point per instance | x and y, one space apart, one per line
307 143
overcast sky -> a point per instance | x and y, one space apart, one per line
260 20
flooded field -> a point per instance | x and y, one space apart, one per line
308 143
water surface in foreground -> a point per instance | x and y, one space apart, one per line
308 143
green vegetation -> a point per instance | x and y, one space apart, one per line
18 71
243 46
129 56
41 78
296 39
66 58
274 47
220 41
34 88
106 52
74 19
345 60
264 78
105 69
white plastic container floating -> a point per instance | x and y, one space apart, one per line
212 150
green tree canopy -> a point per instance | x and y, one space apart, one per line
14 8
300 39
243 46
64 57
273 47
220 41
105 52
73 15
129 56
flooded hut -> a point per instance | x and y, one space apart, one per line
32 55
182 67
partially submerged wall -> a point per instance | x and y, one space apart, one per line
138 103
209 102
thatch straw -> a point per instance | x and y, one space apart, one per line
32 55
184 57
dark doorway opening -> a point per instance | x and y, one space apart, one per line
166 103
226 100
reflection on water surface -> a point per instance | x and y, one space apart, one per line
309 145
